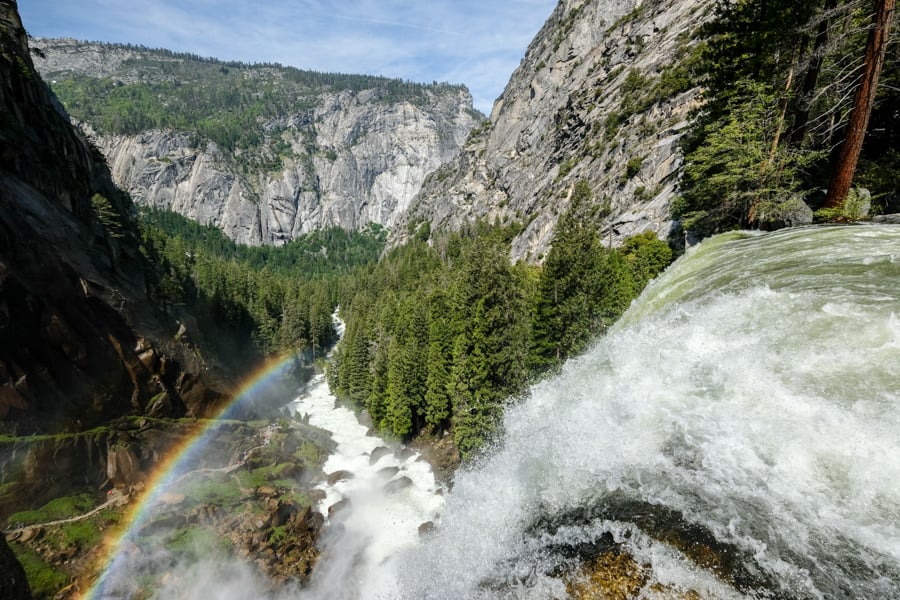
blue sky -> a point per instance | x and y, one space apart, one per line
475 42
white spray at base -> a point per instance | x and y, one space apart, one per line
750 397
381 497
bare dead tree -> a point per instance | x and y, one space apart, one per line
848 157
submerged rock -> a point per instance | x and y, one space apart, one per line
426 528
388 472
337 476
398 484
377 453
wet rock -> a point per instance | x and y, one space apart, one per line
122 466
13 584
316 495
164 524
426 528
388 472
342 475
377 453
338 507
398 484
406 453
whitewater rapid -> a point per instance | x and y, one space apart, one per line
383 496
749 398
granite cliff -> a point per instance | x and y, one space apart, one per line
327 150
602 94
80 341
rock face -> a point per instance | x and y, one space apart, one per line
597 97
356 156
79 341
13 585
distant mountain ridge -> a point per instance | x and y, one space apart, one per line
264 152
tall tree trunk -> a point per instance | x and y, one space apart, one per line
811 78
862 105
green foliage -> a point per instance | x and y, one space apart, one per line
55 510
733 169
196 543
44 580
777 83
108 217
584 286
443 336
633 166
281 298
211 490
854 208
646 256
566 167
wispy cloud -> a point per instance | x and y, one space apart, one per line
474 42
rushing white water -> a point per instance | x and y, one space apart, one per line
388 495
749 400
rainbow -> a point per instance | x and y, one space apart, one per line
116 548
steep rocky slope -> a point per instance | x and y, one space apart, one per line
345 151
601 95
79 340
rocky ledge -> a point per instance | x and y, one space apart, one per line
248 494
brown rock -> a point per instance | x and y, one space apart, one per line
337 476
122 466
426 528
338 506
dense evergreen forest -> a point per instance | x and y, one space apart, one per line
782 81
254 300
441 336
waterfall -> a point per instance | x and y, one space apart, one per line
747 404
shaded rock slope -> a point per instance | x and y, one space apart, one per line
79 341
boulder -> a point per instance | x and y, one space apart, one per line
426 528
395 485
377 453
337 476
338 507
388 472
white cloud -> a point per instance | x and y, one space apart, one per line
475 42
